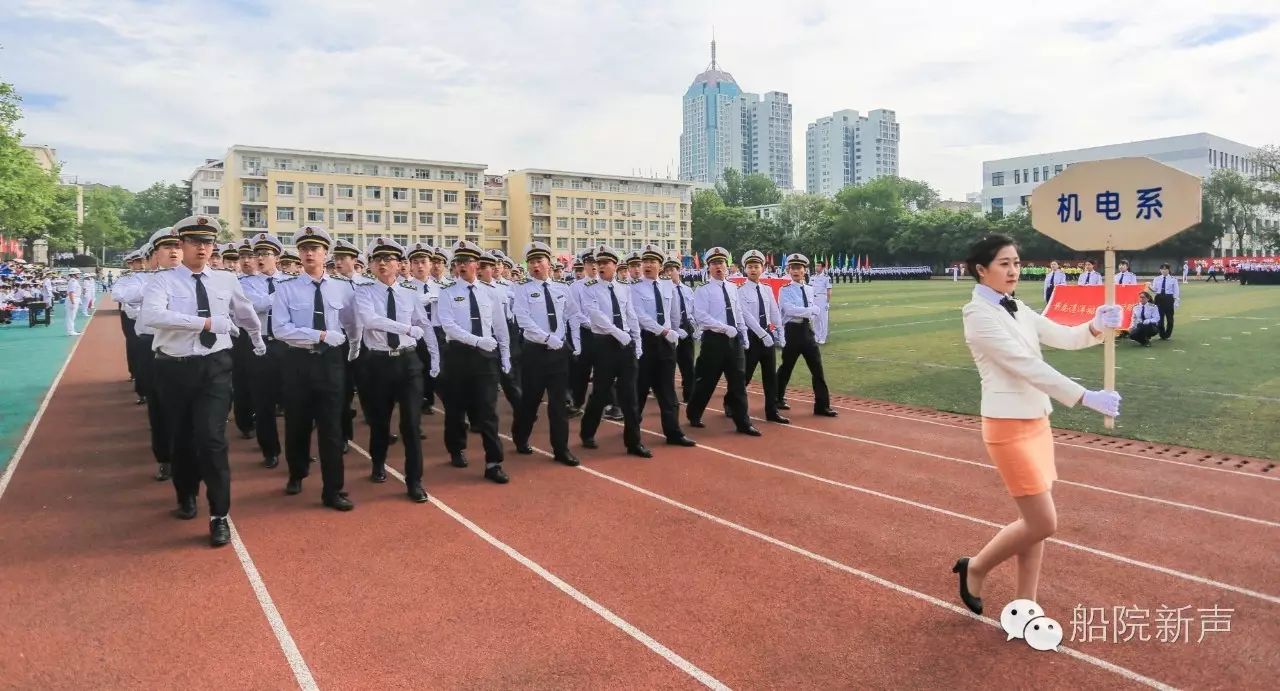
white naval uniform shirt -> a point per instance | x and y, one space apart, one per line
1145 314
169 306
598 309
1126 278
749 296
681 290
793 306
709 308
646 307
1089 278
294 303
260 289
1166 285
531 309
821 283
128 292
455 317
428 292
1055 278
371 316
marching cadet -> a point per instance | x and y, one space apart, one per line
506 269
716 312
230 254
265 371
557 271
311 314
1053 278
1146 320
1168 296
392 321
1123 275
800 309
821 284
682 307
248 262
440 280
74 291
655 307
761 316
215 258
579 270
476 350
130 281
348 264
583 338
543 310
427 289
194 311
243 263
610 316
633 268
290 263
487 276
1089 277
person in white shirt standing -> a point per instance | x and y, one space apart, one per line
1052 279
89 296
1168 296
718 315
1089 277
195 311
682 317
74 289
654 302
1125 277
764 333
821 283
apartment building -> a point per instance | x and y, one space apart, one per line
574 211
206 188
355 196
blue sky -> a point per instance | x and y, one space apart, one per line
133 91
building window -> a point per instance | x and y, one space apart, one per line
637 244
557 183
653 227
575 184
400 194
619 206
602 205
581 243
345 191
400 217
315 215
619 225
346 216
369 169
448 175
372 192
602 224
426 195
562 243
209 193
402 239
997 205
653 208
580 223
1017 177
1025 200
562 202
450 197
252 164
581 203
473 179
284 164
426 218
397 171
451 219
210 210
671 227
1046 173
562 223
372 216
1057 170
422 173
284 213
1036 174
342 168
284 188
312 166
450 240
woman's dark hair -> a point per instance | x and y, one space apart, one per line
984 251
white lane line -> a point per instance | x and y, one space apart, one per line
35 421
1096 488
865 575
1127 454
301 672
581 598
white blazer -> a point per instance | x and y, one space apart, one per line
1016 381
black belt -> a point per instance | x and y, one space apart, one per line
185 358
390 353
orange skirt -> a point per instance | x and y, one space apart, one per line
1023 453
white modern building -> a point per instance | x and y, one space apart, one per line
847 148
1007 183
724 127
206 188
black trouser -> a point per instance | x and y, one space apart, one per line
313 386
351 385
1142 333
268 392
390 381
471 395
148 386
1164 303
684 361
1048 292
438 385
428 384
242 381
615 364
130 333
580 368
657 373
139 351
720 355
766 357
511 380
545 372
196 394
801 343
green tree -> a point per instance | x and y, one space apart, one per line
104 227
866 216
736 189
1233 203
157 206
27 192
1033 246
938 236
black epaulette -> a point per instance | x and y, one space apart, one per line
525 280
407 284
592 281
340 277
286 279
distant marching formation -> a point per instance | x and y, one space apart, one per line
256 327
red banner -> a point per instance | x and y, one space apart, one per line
775 284
1221 262
1071 305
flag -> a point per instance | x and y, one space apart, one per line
696 263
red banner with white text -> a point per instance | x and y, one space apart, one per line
1071 305
775 284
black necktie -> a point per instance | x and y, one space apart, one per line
657 300
428 292
1163 282
728 307
393 340
477 327
1009 305
207 338
617 309
271 290
552 322
764 320
317 316
684 313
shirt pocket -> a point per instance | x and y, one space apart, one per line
185 304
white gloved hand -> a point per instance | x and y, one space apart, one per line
682 334
506 367
1107 317
220 325
415 332
623 337
1177 302
554 343
1105 402
435 368
730 332
577 352
335 338
259 347
487 343
767 340
672 337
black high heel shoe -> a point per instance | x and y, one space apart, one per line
973 603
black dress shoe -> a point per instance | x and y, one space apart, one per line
293 486
219 531
574 412
567 459
458 461
379 473
186 509
417 494
141 401
681 441
613 413
346 446
422 435
246 434
826 413
973 603
524 449
496 474
782 405
779 419
270 461
590 443
428 410
339 502
750 431
696 423
640 450
164 471
393 439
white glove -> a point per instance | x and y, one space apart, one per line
334 338
815 311
730 332
435 368
682 334
672 337
554 343
767 340
577 352
415 332
1107 317
220 325
1105 402
487 343
623 337
506 367
259 348
1177 302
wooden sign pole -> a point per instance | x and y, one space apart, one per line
1109 345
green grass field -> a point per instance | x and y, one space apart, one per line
1215 385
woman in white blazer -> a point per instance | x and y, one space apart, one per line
1004 336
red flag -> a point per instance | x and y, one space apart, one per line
696 263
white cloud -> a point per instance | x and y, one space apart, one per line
151 88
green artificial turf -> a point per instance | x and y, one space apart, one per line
29 358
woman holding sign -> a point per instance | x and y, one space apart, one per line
1004 336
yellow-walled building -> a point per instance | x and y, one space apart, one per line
354 196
